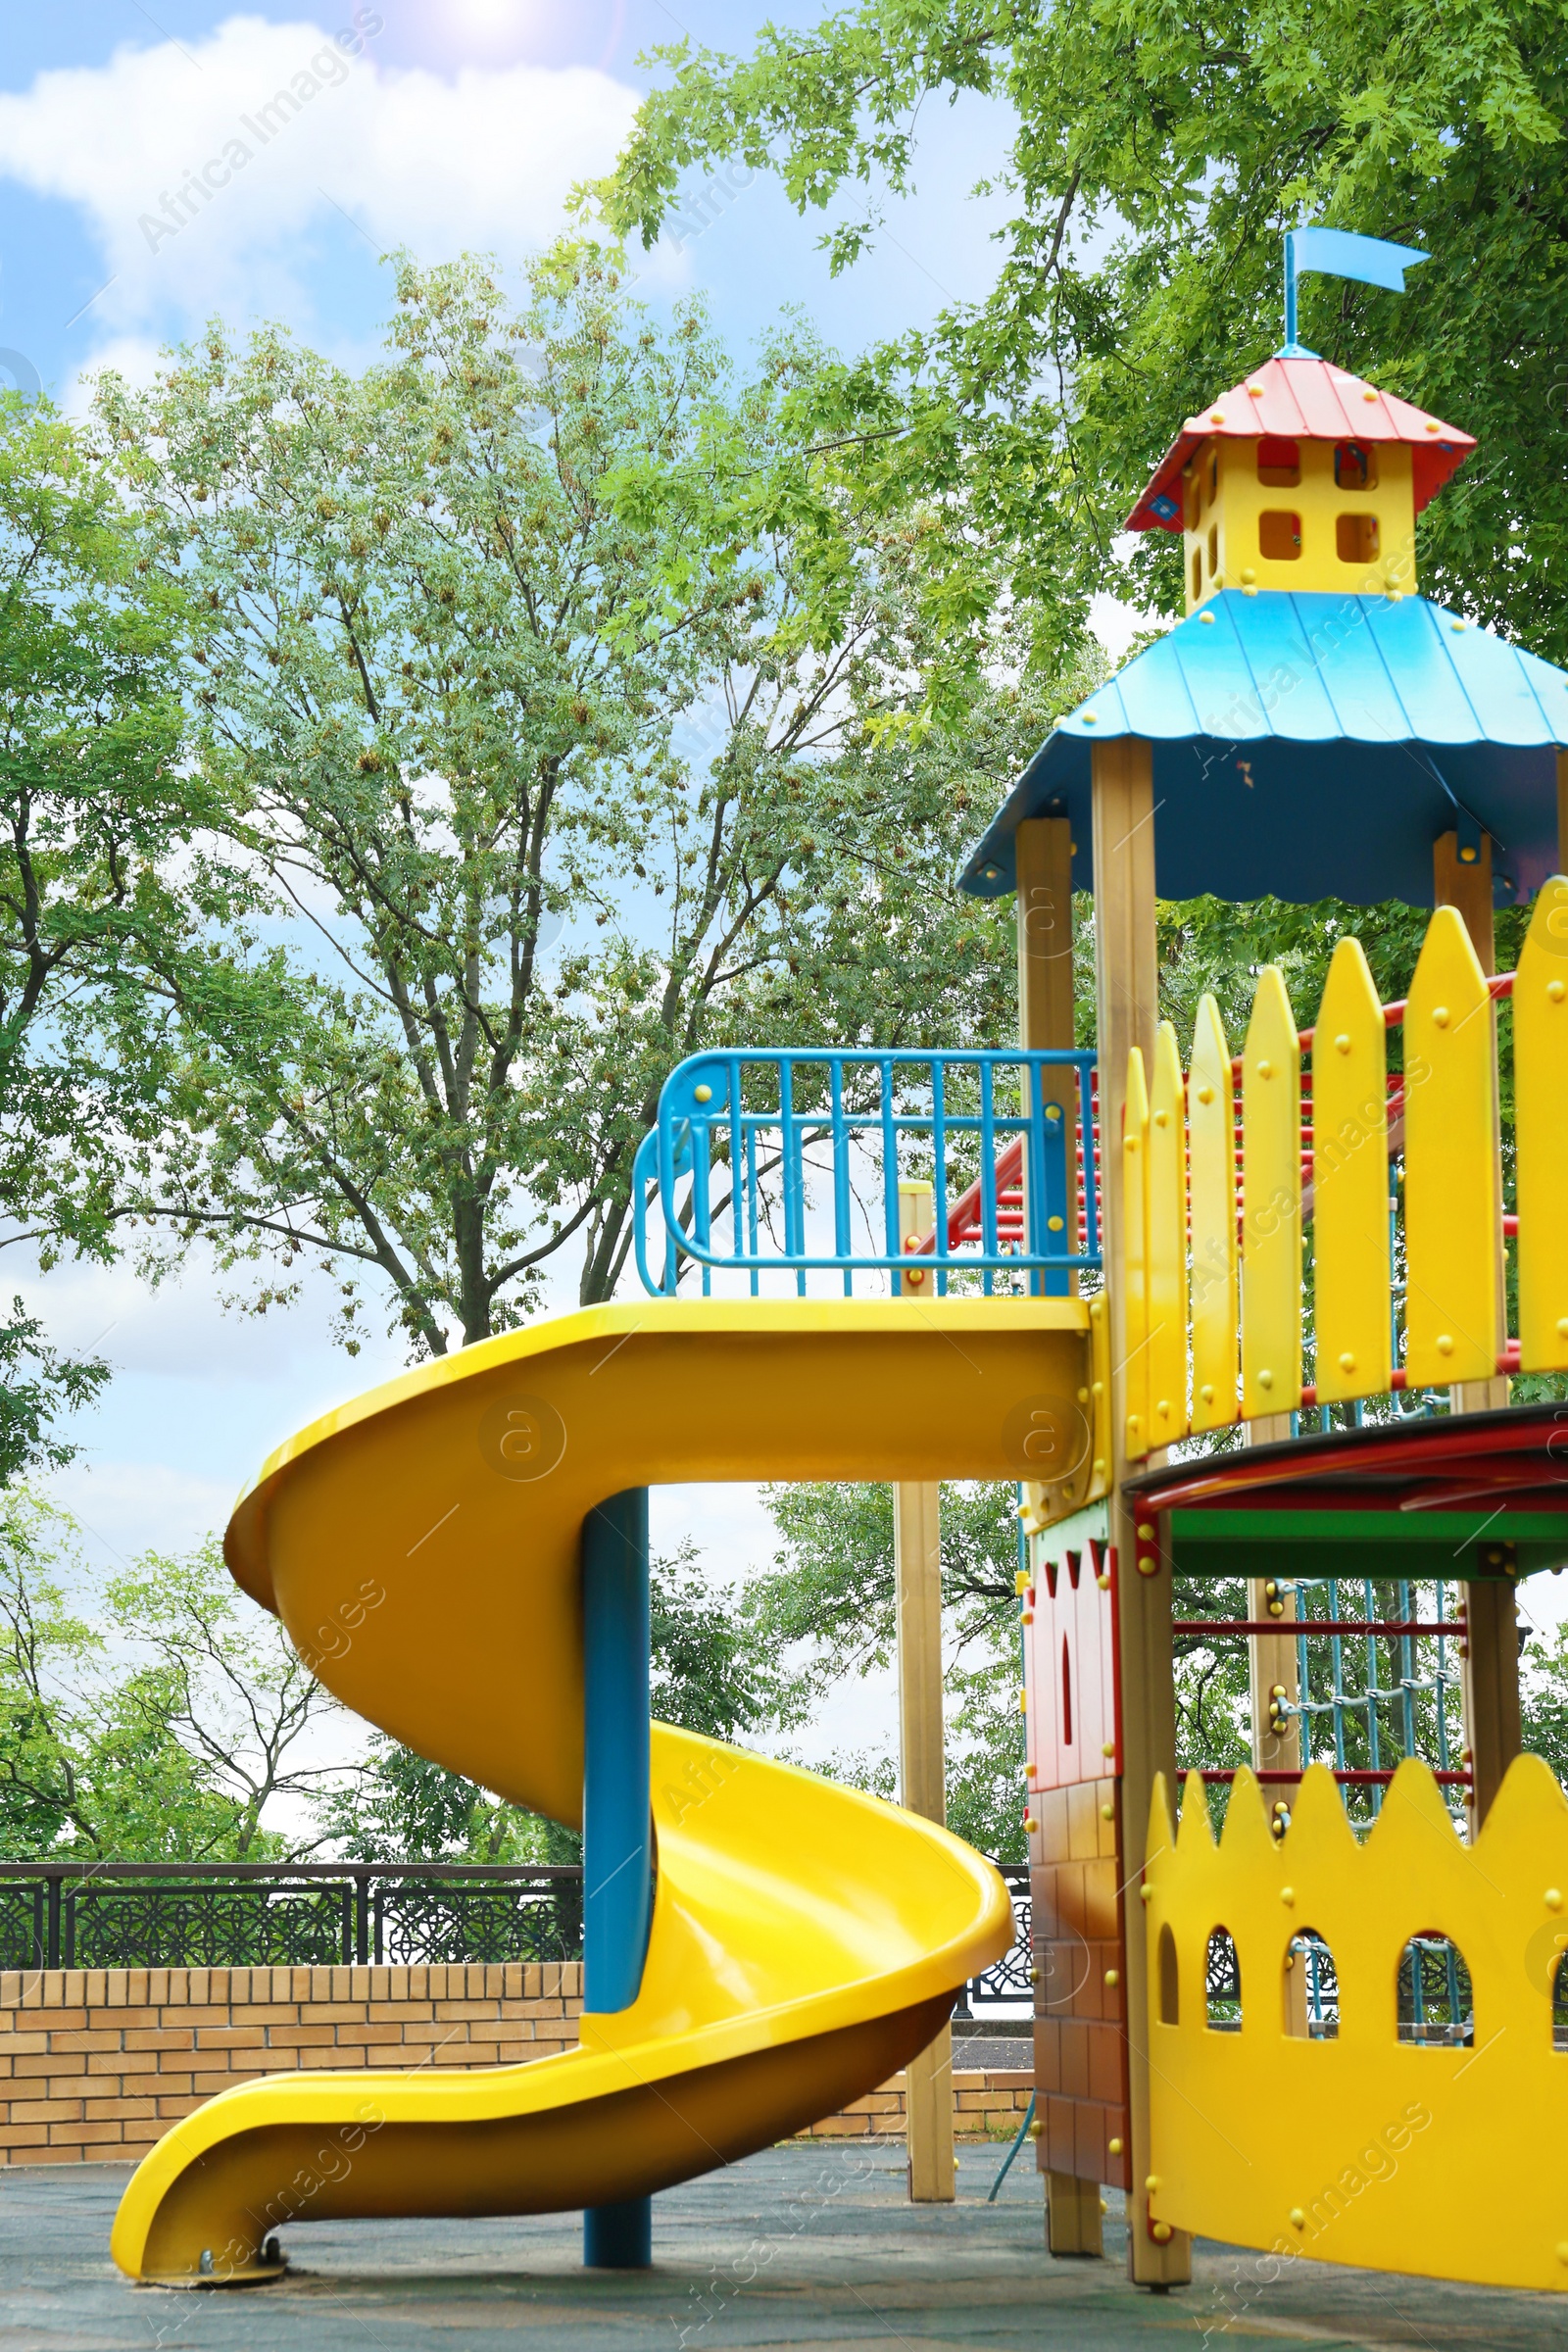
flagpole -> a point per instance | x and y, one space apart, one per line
1289 290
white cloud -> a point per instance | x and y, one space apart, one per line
126 1508
207 173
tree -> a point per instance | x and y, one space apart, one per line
146 1717
829 1599
92 816
536 623
708 1675
1152 168
36 1385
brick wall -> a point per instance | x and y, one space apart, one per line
95 2064
985 2104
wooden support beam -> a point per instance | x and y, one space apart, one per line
1125 997
1489 1670
922 1769
1042 908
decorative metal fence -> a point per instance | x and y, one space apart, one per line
260 1915
325 1914
1006 1984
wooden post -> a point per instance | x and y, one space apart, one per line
1125 997
1043 849
1489 1669
922 1774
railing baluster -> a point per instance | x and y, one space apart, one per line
941 1243
841 1174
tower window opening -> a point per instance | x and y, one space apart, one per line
1213 475
1066 1694
1311 1988
1354 468
1355 538
1197 573
1559 2003
1279 537
1171 1999
1279 463
1214 549
1223 1983
1436 2005
1192 499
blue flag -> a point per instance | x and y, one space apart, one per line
1340 253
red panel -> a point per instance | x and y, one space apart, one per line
1070 1670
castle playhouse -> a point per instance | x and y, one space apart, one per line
1312 727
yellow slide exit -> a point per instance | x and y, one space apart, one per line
422 1546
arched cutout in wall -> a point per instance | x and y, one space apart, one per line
1223 1983
1311 1988
1435 2007
1559 2004
1170 1997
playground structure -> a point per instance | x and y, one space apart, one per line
1093 1257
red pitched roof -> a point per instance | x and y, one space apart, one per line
1304 400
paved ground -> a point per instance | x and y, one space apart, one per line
813 2245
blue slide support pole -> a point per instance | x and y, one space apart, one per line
617 1822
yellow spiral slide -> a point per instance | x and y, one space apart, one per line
422 1546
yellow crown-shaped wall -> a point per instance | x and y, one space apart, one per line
1446 2162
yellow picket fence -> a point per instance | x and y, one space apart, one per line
1218 1318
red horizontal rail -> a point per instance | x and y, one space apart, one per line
1507 1369
1500 984
1453 1630
1353 1780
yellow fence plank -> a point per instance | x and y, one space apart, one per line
1211 1180
1167 1244
1451 1202
1271 1205
1541 1132
1135 1221
1350 1255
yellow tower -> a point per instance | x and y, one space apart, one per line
1300 478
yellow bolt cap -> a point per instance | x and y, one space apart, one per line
1297 2218
1553 1898
1162 2234
1287 1894
1114 2146
1113 1976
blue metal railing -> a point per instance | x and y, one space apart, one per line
766 1163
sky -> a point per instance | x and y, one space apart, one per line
150 177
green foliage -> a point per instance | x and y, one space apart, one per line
1154 166
150 1716
92 813
538 625
708 1676
36 1385
830 1601
1544 1694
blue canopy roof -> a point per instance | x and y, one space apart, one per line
1314 747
